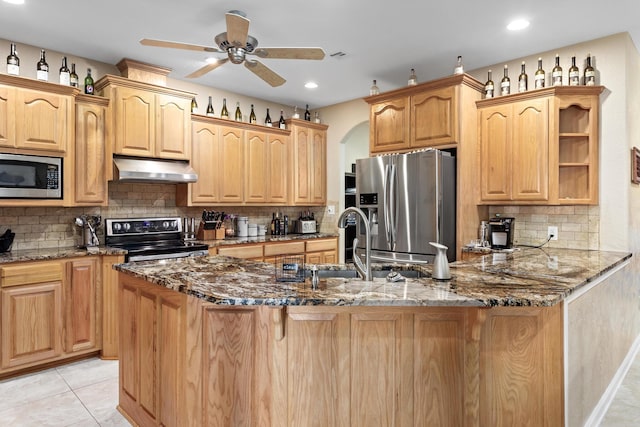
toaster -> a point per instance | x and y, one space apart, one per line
305 226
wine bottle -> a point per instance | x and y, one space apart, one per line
574 73
252 116
267 119
13 62
238 115
88 83
42 69
374 89
210 112
589 73
307 114
488 86
65 75
224 114
556 73
459 69
505 83
317 117
194 106
523 79
281 123
73 77
413 80
539 77
295 115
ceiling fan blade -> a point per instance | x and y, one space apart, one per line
207 68
237 29
290 52
177 45
264 72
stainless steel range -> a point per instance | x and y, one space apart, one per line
151 238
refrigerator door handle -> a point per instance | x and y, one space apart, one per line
385 205
392 206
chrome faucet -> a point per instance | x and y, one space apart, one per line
363 269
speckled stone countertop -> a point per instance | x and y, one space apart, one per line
267 238
54 253
530 277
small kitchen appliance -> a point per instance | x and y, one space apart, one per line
305 226
30 177
151 238
501 232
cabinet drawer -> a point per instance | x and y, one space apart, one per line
25 274
271 249
248 251
321 245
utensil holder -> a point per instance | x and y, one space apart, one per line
210 234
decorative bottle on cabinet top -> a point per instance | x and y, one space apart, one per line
505 83
413 79
488 86
65 75
574 73
73 77
459 69
42 68
589 73
523 79
13 62
224 114
281 123
556 73
88 83
374 89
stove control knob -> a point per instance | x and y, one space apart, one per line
126 226
165 225
116 227
174 225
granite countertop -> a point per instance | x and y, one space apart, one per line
267 238
531 277
55 253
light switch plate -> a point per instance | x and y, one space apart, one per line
331 209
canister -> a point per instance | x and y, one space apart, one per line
252 230
243 226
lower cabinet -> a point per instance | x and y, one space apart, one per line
152 338
49 312
315 251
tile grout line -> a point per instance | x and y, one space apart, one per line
78 398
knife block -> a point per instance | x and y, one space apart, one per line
206 233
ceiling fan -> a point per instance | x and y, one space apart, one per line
237 44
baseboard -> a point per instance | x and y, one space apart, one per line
602 407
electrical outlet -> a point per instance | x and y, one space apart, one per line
331 209
552 231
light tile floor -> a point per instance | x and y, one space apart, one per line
85 394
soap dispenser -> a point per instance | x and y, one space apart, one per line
441 263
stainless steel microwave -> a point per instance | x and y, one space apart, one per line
30 177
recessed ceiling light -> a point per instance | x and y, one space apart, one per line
518 24
311 85
14 1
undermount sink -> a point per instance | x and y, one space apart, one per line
353 274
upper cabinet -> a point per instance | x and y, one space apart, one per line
90 179
35 115
148 120
540 147
426 115
237 164
308 163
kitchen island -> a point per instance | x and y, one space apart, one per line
217 341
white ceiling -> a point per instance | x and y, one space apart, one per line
381 39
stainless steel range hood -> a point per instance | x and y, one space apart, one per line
135 169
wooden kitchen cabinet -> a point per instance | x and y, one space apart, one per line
315 251
148 120
514 155
540 147
308 163
32 313
90 151
237 163
321 251
81 305
35 115
110 307
426 115
152 334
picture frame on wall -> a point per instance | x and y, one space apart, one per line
635 165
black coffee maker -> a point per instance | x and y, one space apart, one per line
501 232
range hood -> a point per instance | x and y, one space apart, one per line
135 169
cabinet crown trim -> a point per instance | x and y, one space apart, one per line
444 82
27 83
539 93
110 80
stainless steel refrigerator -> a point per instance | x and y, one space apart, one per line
410 200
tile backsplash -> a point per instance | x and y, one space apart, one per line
578 226
39 227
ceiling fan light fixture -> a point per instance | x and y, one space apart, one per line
236 55
311 85
211 60
517 25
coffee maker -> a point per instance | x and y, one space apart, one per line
501 232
